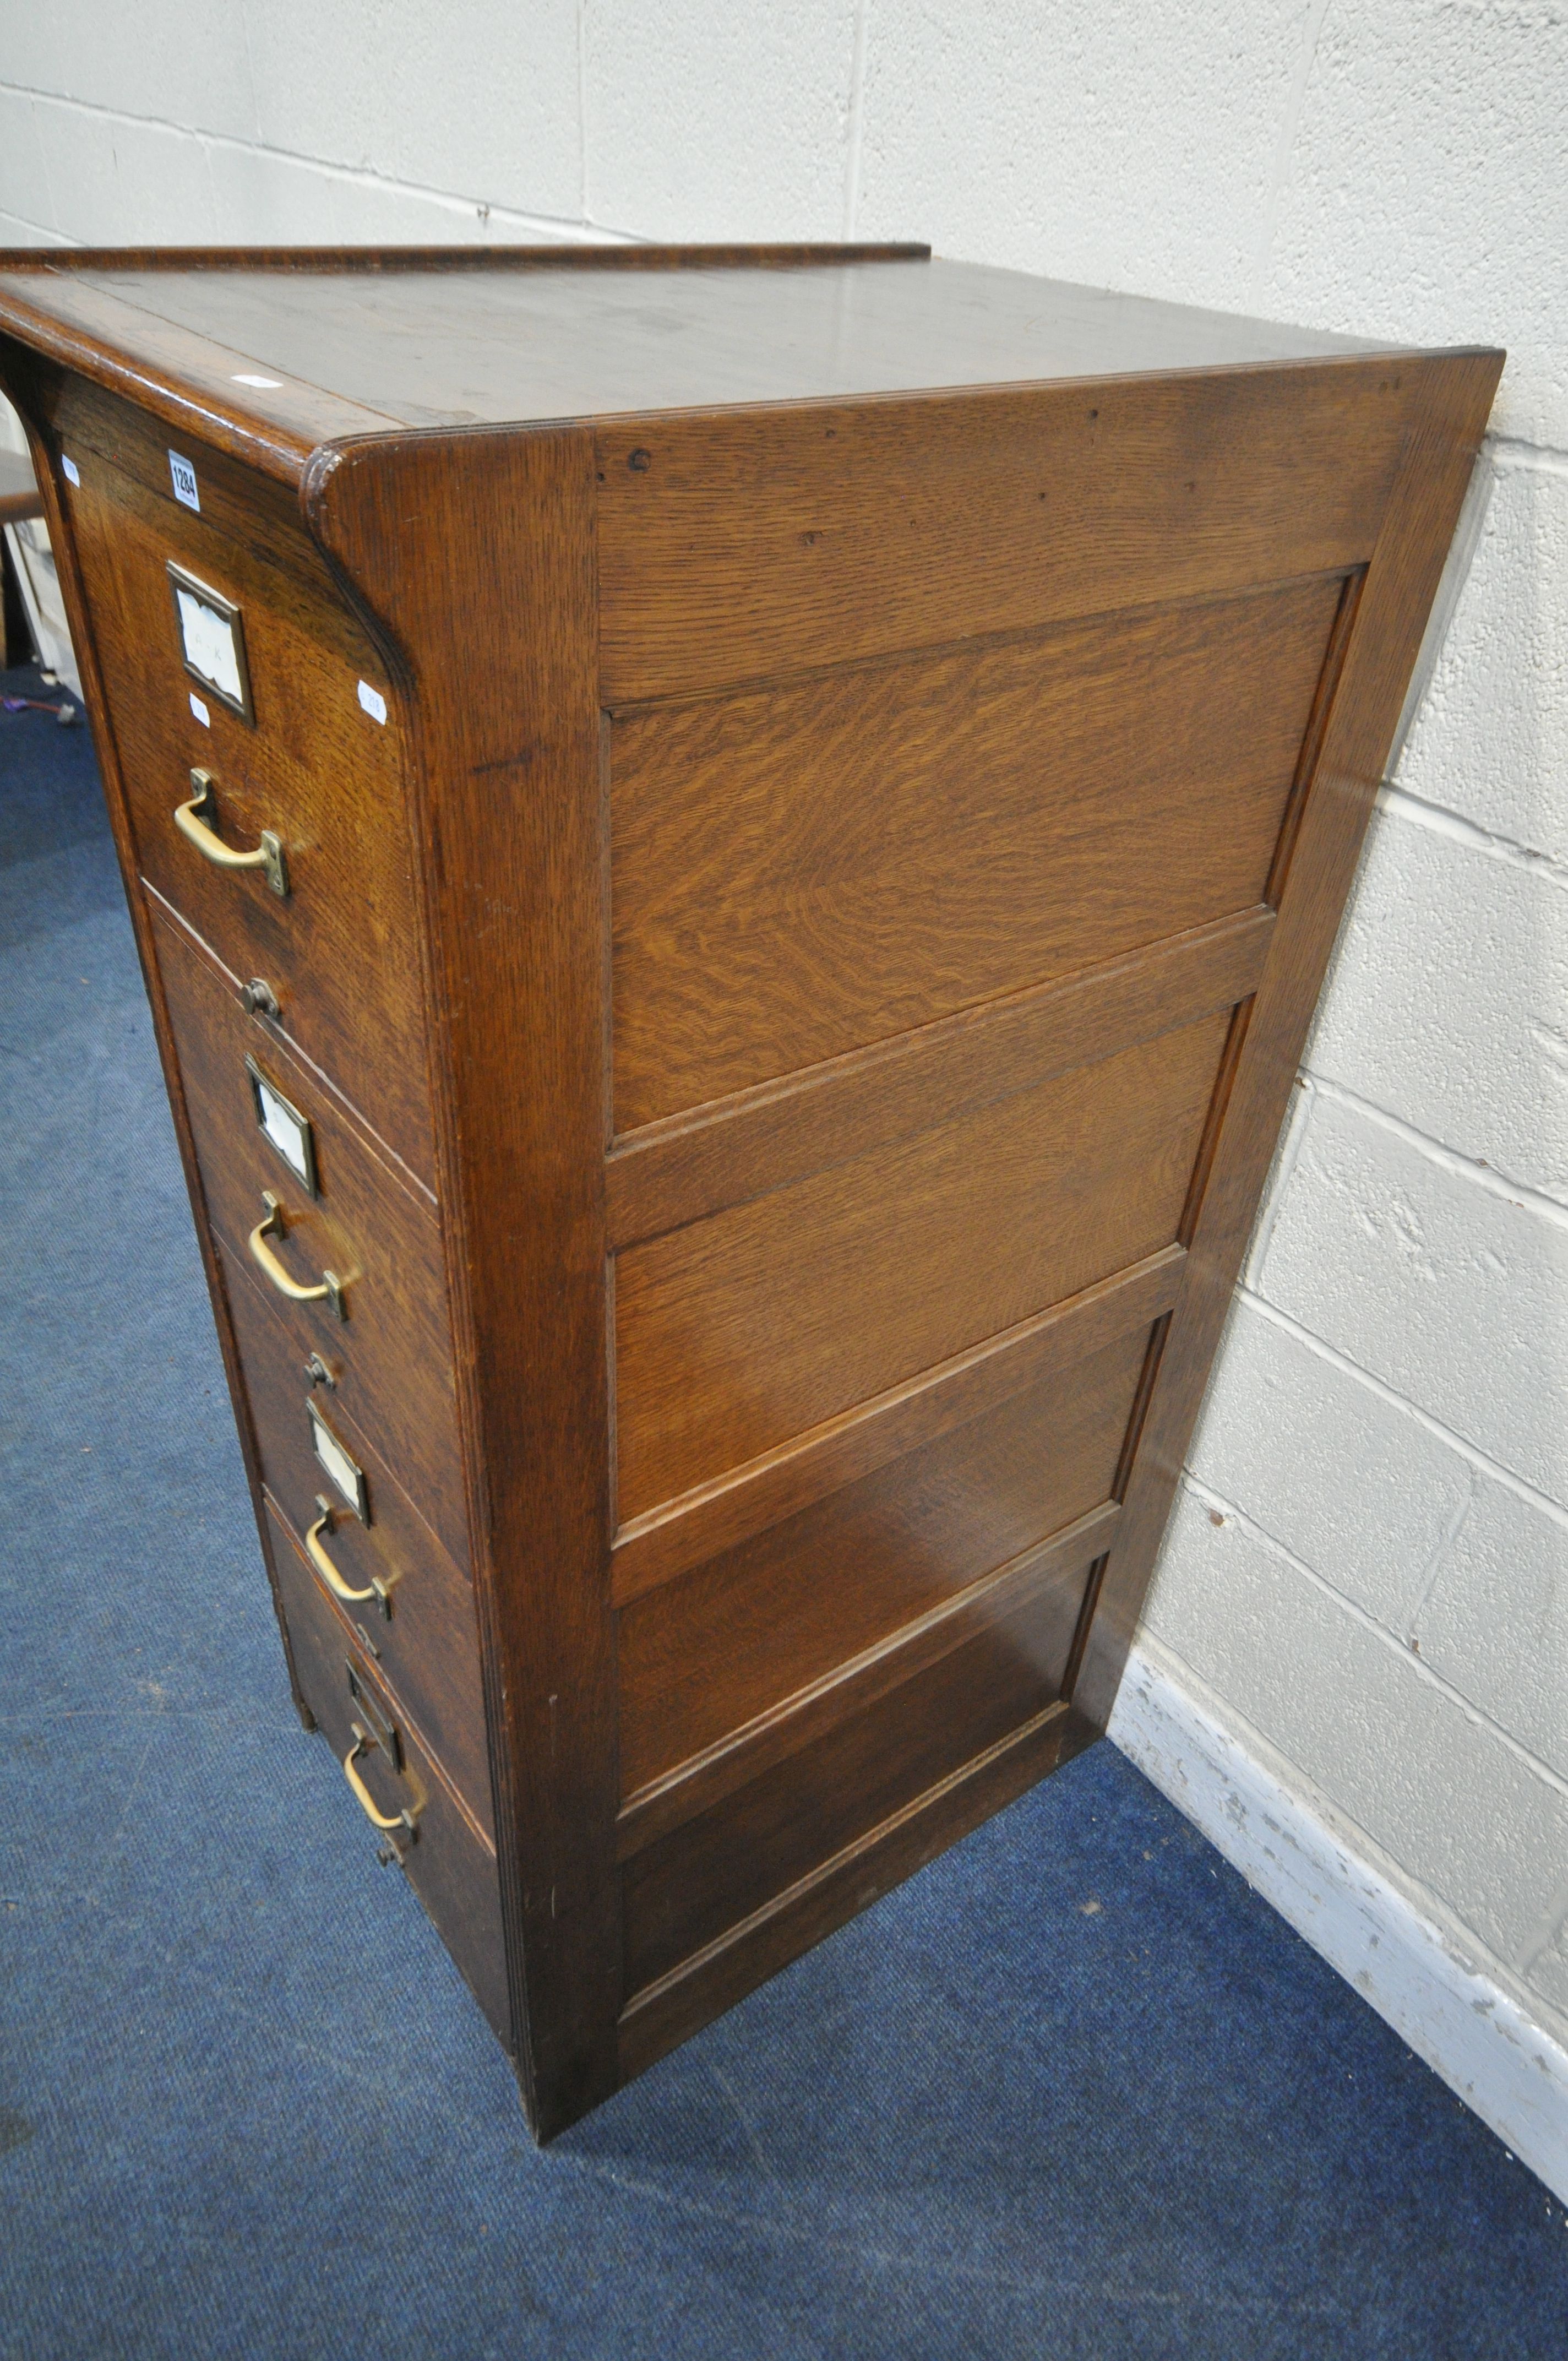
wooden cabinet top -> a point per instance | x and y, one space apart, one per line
287 348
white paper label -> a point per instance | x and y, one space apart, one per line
200 711
69 469
244 377
184 479
373 701
289 1132
209 643
339 1465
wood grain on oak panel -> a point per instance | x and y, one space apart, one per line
694 1164
703 1654
684 1890
799 871
1061 1563
740 547
706 1984
1439 457
737 1332
700 1525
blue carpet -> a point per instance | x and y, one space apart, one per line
1074 2091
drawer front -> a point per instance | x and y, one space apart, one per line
420 1626
390 1355
340 948
449 1864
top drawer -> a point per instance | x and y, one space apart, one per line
314 767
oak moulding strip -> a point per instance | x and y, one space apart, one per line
394 258
685 1532
961 643
724 1970
689 1166
705 1779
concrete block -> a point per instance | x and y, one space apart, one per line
14 230
1328 1468
1425 198
1439 1790
1547 1972
1450 1291
1490 739
117 184
24 186
477 98
1496 1620
1281 1163
162 59
289 200
1121 146
719 123
1447 1003
29 52
265 200
1493 2039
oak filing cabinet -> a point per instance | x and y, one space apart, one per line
733 851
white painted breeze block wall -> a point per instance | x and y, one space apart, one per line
1366 1590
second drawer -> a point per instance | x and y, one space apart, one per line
341 1211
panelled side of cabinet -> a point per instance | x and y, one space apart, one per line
1088 643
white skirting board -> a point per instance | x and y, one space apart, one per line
1468 2029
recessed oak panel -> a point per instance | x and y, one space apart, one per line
685 1890
696 1163
700 1525
737 547
702 1656
736 1333
802 870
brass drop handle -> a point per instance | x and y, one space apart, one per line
329 1287
198 823
363 1742
376 1589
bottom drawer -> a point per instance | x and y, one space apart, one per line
450 1865
428 1647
